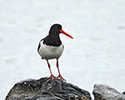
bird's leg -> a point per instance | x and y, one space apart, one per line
52 76
59 76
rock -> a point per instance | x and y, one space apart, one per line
104 92
123 92
47 89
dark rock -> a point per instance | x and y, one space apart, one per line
123 92
104 92
47 89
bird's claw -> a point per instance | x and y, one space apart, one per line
51 77
60 77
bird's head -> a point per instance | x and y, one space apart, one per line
57 29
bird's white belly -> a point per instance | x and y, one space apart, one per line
50 52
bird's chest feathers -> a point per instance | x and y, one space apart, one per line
50 52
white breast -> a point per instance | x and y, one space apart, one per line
50 52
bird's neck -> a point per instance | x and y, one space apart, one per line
55 38
52 40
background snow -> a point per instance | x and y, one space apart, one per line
95 55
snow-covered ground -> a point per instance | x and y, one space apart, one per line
95 55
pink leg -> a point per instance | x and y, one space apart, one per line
59 76
52 76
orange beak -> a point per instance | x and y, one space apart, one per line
61 31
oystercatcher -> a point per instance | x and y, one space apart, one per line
51 47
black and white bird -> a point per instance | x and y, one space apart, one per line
51 47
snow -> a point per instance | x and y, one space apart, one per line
95 55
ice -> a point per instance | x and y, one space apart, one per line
95 55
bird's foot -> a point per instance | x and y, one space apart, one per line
51 77
60 77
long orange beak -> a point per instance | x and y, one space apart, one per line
61 31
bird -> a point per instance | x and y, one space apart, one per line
51 47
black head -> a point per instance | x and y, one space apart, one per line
55 29
53 38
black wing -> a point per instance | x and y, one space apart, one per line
39 46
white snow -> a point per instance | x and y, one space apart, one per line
95 55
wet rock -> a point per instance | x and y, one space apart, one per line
47 89
104 92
